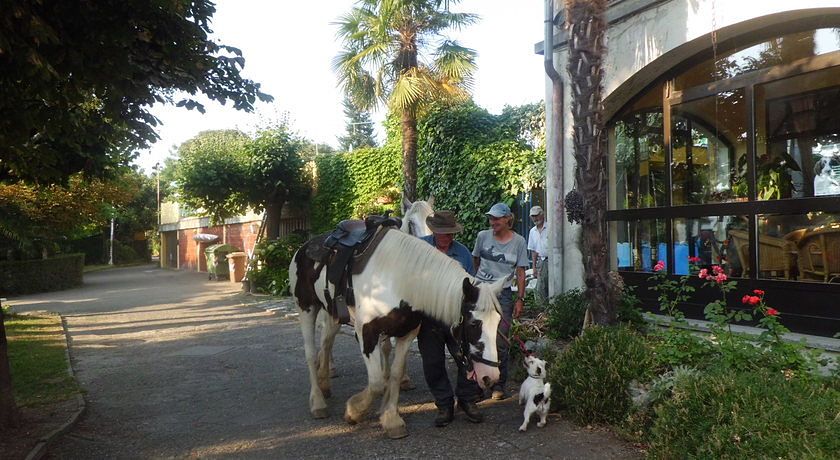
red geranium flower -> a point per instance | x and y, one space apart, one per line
758 292
772 312
746 299
754 300
694 260
659 266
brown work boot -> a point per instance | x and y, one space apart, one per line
444 416
471 411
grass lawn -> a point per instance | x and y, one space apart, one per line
39 366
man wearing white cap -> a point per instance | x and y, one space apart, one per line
538 245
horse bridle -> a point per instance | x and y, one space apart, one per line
465 357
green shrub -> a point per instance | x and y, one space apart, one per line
41 275
592 376
673 347
629 311
269 271
565 314
125 254
747 415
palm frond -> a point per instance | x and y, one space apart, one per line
455 62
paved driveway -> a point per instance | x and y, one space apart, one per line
174 365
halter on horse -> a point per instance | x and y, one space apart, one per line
404 279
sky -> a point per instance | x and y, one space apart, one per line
289 47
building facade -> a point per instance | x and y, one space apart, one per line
723 142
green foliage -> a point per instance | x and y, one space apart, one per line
30 276
212 172
269 271
125 254
355 185
565 314
747 415
592 376
470 159
95 70
674 347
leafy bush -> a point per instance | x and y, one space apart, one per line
125 254
269 272
673 347
747 414
565 314
41 275
592 376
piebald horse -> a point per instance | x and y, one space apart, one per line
413 223
404 280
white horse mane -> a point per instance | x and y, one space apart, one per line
429 280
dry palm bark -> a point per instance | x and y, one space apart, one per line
587 27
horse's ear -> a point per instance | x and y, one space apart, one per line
431 201
405 205
470 291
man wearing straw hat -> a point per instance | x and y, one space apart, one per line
434 337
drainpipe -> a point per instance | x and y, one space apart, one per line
555 147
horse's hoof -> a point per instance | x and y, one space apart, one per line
349 419
320 413
398 432
407 385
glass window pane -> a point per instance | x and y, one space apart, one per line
716 240
708 138
798 136
637 244
637 149
769 53
804 247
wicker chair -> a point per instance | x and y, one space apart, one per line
774 254
819 252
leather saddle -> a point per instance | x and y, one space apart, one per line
344 252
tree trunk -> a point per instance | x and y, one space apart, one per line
272 218
9 415
409 148
585 19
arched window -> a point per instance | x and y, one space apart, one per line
734 159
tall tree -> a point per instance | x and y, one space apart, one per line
382 61
587 26
359 128
225 172
79 78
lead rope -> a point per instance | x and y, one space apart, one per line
525 351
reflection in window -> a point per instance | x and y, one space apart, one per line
708 138
640 244
637 147
804 247
716 240
798 136
779 50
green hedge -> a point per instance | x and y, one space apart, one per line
467 158
591 377
41 275
748 415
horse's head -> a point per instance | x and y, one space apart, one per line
480 316
414 217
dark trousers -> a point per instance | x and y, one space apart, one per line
432 341
506 301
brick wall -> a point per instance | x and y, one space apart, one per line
191 254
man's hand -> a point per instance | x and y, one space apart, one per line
518 306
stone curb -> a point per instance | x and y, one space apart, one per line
44 442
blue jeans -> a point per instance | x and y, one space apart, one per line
506 300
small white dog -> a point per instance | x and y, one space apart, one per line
535 393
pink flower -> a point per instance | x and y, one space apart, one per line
659 266
721 277
704 274
772 312
717 269
694 260
746 299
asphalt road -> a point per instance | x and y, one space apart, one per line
176 366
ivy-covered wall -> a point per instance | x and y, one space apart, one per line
467 158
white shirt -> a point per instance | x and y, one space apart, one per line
537 240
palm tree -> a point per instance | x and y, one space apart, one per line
385 42
587 26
